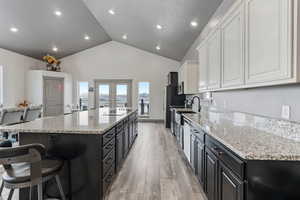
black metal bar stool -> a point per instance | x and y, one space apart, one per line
25 168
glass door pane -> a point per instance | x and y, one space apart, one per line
104 96
121 95
144 99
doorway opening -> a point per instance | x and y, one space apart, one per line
113 93
83 95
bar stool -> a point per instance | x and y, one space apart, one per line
11 116
32 113
25 168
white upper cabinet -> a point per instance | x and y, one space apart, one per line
232 30
188 74
202 71
268 40
214 60
256 44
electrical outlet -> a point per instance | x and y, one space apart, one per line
286 112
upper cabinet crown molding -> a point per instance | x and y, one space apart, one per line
258 43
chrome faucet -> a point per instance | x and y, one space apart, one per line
199 102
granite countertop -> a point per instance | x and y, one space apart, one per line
249 136
85 122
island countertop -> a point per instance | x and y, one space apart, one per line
251 137
95 121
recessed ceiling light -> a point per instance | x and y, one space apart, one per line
159 27
86 37
14 29
124 37
157 47
112 12
194 23
55 49
58 13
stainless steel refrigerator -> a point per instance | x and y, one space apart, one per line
172 98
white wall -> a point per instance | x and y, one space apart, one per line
114 60
15 67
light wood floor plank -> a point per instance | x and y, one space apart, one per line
155 170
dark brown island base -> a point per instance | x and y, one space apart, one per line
93 144
239 156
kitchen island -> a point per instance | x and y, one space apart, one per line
93 143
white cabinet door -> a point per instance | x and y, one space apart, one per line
214 60
191 77
268 40
233 48
202 68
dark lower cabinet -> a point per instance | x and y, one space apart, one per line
126 140
230 187
199 168
193 153
119 150
211 175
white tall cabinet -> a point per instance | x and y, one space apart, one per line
188 74
35 87
259 45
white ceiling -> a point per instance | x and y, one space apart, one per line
40 29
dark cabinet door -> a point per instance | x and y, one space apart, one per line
211 175
193 152
199 169
126 140
230 187
119 150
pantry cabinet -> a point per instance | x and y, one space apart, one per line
268 40
232 30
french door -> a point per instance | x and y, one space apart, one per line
113 93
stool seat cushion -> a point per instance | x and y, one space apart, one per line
20 173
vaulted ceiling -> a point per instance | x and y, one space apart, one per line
72 26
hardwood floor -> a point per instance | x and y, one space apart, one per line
155 170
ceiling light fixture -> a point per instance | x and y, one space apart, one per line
58 13
194 23
112 12
157 47
55 49
86 37
124 37
14 29
159 27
